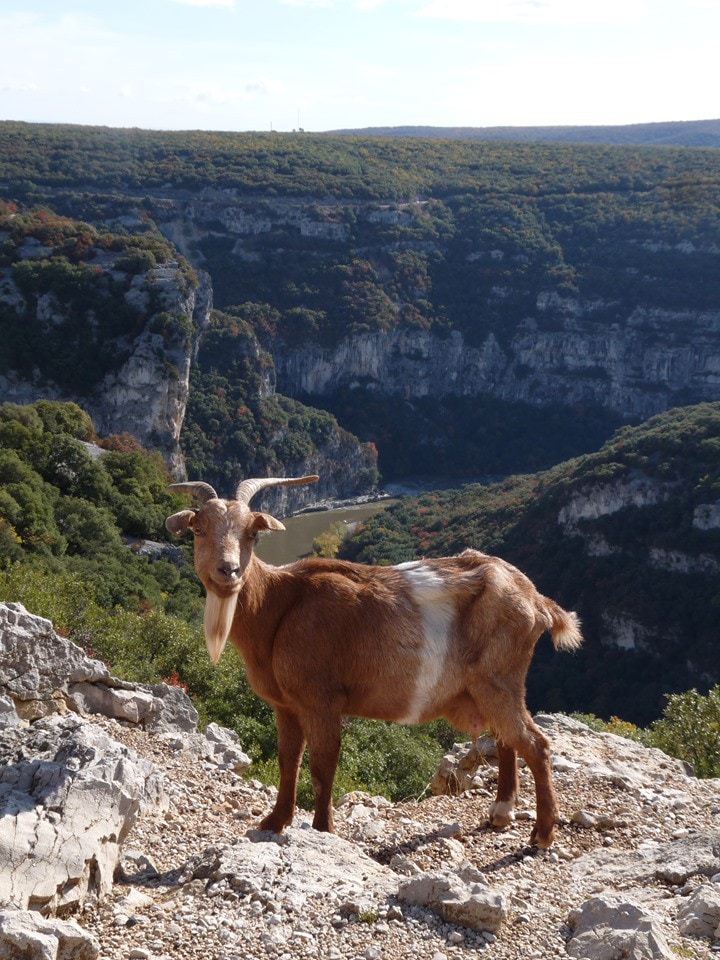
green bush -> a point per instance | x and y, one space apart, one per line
690 729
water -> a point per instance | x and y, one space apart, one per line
297 540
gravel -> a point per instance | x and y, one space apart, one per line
153 914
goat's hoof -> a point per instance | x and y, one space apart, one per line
542 840
502 813
273 823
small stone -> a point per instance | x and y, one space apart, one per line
583 818
139 953
456 937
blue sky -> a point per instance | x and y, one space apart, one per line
326 64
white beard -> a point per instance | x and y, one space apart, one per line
219 613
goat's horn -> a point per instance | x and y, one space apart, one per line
248 488
201 491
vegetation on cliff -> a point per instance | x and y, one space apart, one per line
237 426
67 309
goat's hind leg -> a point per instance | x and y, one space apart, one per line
323 736
291 746
502 811
534 748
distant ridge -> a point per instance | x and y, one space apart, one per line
686 133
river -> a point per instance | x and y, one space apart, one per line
301 530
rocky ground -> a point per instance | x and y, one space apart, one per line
126 834
622 822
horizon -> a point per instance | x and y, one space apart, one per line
325 65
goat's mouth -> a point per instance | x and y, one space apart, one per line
217 621
225 584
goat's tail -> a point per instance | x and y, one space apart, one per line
564 626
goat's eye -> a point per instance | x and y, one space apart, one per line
198 532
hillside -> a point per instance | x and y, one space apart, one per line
112 318
466 282
688 133
628 536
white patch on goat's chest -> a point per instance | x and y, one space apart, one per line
435 605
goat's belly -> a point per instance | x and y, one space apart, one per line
410 692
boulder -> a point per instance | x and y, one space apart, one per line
606 928
460 896
699 915
68 797
25 934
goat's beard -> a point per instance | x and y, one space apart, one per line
219 613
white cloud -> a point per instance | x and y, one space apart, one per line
536 11
313 4
18 86
206 3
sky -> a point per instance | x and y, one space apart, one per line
330 64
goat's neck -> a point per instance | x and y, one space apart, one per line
261 605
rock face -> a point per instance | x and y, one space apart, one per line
635 360
148 395
623 369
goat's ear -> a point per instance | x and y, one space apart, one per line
179 522
263 521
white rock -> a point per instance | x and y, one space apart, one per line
27 935
699 915
446 893
606 928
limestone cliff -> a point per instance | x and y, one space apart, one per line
102 319
495 314
148 395
635 370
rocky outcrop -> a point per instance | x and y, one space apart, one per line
68 798
148 394
69 793
42 673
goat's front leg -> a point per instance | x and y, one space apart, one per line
323 737
502 811
291 746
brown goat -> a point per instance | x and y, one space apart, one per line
325 639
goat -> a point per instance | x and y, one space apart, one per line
325 639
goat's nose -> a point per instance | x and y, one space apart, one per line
228 570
